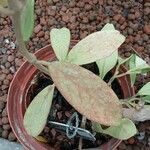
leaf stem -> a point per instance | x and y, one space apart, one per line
16 6
83 122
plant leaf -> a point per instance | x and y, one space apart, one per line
138 66
145 90
27 20
107 63
36 114
60 40
86 92
123 130
41 139
122 61
146 99
96 46
3 3
132 65
108 27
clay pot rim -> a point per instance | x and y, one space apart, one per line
28 141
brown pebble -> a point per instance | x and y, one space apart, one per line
11 136
65 18
6 127
5 134
146 29
37 28
117 17
131 140
41 34
4 113
2 77
5 120
9 77
2 105
11 58
7 64
6 82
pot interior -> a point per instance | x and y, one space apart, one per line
61 111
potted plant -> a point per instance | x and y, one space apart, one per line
93 98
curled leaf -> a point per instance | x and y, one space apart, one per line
60 40
86 92
36 114
96 46
27 20
123 130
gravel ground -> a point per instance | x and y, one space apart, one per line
82 17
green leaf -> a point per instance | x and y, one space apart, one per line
106 64
146 99
96 46
35 117
86 92
122 61
60 40
132 65
123 130
27 20
138 66
145 90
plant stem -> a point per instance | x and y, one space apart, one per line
82 126
16 18
113 77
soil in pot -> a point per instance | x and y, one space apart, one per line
61 111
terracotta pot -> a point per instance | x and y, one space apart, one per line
17 101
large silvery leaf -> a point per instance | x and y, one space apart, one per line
96 46
27 20
123 130
106 64
36 114
86 92
60 40
145 90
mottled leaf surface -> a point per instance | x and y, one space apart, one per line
86 92
3 3
96 46
60 40
107 63
27 20
123 130
36 114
